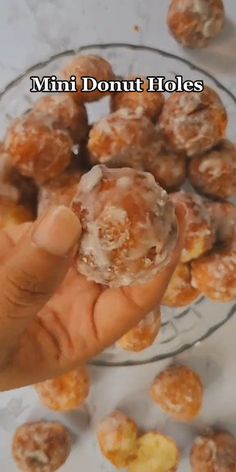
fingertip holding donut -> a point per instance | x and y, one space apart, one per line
57 232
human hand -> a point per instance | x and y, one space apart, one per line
51 318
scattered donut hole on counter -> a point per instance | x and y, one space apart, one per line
178 391
41 446
123 174
194 23
65 393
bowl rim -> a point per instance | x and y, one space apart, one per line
177 352
84 48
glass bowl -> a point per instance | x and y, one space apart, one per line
181 328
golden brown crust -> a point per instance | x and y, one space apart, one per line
194 23
178 391
223 212
167 166
215 274
200 231
214 452
150 103
36 149
214 173
117 437
67 392
194 122
88 66
180 292
123 135
41 447
62 112
143 335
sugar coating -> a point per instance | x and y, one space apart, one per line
215 273
58 191
88 66
215 451
150 103
121 136
143 335
61 112
41 447
200 230
67 392
36 149
128 231
224 218
214 173
194 122
167 166
194 23
178 391
117 436
180 291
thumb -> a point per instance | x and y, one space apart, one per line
34 270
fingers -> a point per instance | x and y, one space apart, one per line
36 267
15 232
118 310
9 236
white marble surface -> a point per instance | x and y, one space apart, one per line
29 32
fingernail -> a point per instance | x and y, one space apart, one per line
58 231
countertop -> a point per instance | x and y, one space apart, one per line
30 31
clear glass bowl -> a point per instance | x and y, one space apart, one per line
181 328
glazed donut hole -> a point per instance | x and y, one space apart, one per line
117 437
214 173
194 23
168 167
67 392
180 291
88 66
41 447
58 191
178 391
215 451
149 103
121 136
223 212
155 452
62 112
200 231
214 274
143 335
129 226
135 143
194 122
36 149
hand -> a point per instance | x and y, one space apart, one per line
51 318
